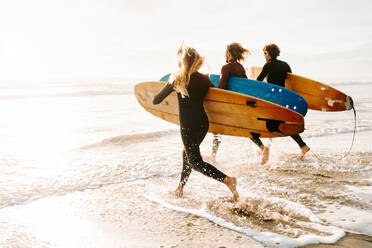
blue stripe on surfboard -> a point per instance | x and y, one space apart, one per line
266 91
269 92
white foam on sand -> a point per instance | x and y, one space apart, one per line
267 238
349 218
364 192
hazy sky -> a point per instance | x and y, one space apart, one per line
42 39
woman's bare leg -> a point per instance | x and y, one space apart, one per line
265 154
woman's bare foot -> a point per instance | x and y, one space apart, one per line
265 155
179 191
231 184
304 150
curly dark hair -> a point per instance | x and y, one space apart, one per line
272 49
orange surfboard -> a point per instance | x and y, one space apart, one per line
319 96
229 113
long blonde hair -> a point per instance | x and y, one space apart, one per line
189 60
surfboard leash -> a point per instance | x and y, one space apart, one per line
352 141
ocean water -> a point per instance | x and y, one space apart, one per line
59 138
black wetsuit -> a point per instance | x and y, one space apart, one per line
276 72
194 126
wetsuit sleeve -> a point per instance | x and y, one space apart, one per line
264 72
224 77
163 93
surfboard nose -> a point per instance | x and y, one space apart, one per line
349 103
285 128
290 129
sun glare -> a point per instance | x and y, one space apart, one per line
41 128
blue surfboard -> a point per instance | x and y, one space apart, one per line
266 91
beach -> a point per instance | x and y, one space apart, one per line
88 219
83 165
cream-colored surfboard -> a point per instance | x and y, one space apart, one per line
229 113
319 96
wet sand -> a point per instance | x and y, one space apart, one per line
350 240
118 216
112 216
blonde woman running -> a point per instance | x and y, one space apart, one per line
191 87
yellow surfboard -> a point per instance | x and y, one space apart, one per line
229 113
319 96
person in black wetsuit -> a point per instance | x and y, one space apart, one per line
276 72
235 53
191 87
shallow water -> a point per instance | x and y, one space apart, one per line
66 138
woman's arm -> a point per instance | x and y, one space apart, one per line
163 93
224 77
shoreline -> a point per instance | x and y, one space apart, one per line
118 216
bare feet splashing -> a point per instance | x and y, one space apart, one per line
179 191
231 184
304 150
